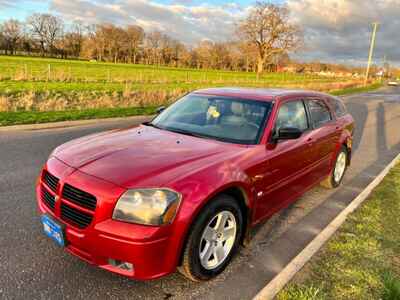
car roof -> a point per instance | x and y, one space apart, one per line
258 93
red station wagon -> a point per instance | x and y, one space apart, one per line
182 190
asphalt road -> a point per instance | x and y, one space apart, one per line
33 267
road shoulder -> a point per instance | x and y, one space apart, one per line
66 124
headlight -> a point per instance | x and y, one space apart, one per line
147 206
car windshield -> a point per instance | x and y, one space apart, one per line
238 121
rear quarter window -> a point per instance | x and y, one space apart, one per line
319 112
337 106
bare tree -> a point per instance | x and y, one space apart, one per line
118 42
95 43
268 27
54 29
154 42
135 36
46 28
37 25
11 33
203 54
178 52
76 38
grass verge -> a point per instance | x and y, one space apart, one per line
356 90
18 118
362 260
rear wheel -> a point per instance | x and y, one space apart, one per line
336 176
213 240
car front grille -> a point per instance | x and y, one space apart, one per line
48 199
79 197
76 207
74 216
50 180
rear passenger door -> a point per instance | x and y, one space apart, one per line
324 136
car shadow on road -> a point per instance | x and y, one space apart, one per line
360 113
381 145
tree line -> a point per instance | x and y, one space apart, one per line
263 40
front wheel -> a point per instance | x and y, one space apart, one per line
214 238
336 176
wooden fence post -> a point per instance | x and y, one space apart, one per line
48 72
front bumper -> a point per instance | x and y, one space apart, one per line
147 248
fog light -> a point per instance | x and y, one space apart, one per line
123 265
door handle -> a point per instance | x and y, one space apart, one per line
310 142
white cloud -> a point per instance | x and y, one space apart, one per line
6 3
341 29
335 30
187 23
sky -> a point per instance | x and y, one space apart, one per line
337 31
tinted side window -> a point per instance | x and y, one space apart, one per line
292 114
319 112
338 107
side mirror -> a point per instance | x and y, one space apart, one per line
160 110
288 133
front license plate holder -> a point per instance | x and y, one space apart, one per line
54 230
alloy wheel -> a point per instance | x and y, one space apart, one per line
217 240
340 167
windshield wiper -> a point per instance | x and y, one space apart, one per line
151 125
184 132
171 129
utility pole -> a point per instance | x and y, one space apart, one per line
386 66
371 51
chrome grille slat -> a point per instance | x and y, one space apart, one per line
47 198
74 216
51 181
79 197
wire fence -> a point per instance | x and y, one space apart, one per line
145 74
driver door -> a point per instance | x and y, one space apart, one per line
288 162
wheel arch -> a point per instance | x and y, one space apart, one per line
346 140
241 197
349 152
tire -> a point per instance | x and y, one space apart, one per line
223 207
336 176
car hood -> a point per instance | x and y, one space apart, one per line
141 156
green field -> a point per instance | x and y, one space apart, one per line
42 74
32 90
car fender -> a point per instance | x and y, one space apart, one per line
346 138
198 193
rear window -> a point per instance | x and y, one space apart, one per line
338 107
